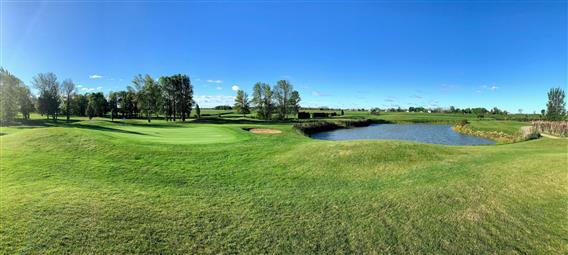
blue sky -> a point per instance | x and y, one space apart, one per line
337 54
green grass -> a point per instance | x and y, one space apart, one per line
130 187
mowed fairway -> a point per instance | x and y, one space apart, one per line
129 187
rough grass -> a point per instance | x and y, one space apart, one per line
90 187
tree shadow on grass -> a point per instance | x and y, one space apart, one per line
107 129
38 123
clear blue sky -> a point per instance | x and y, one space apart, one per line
336 54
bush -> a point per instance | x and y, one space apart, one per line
223 107
462 122
529 133
320 115
320 126
303 115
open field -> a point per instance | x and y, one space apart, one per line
131 187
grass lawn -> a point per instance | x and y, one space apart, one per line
129 187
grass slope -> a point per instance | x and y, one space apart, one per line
100 187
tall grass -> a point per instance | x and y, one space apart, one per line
557 128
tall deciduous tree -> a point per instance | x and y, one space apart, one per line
68 88
282 93
79 105
556 106
48 100
149 95
262 100
242 104
8 95
25 102
168 89
113 104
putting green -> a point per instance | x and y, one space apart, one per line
186 134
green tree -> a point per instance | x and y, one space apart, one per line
149 96
262 99
79 105
9 85
25 102
98 104
168 88
282 94
91 109
294 102
68 88
556 106
113 105
48 100
242 104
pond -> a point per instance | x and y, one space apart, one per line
424 133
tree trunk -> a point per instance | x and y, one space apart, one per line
174 110
68 103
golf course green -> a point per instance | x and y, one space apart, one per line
212 187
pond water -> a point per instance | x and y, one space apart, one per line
424 133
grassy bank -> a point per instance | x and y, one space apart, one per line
130 187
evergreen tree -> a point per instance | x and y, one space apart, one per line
556 106
294 102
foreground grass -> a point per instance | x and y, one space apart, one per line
101 187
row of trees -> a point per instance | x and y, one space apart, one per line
14 97
281 99
170 95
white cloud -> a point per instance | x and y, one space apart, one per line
218 88
79 86
319 94
235 88
211 101
99 88
87 89
487 87
95 76
215 81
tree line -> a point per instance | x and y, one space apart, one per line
281 99
170 96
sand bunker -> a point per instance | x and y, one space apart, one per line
264 131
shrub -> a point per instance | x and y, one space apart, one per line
529 133
462 122
320 126
320 115
303 115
